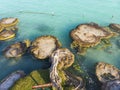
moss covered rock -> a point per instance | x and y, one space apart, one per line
34 78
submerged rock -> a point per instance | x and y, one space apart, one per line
106 72
43 46
17 49
10 80
111 85
115 27
88 35
74 81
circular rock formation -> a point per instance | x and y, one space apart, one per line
8 22
17 49
7 27
61 59
111 85
106 72
43 46
7 34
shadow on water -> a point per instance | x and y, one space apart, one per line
26 63
44 29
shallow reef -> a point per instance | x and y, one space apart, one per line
64 74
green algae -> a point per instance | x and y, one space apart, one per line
76 70
41 76
34 78
23 84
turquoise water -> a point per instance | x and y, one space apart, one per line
58 17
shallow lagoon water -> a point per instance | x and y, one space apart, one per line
58 18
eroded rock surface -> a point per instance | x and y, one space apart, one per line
89 35
60 76
8 22
43 46
106 72
7 28
17 49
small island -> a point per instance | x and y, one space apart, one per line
43 46
88 35
108 75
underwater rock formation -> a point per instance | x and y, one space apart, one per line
111 85
10 80
106 72
7 34
17 49
43 46
88 35
115 27
7 27
34 78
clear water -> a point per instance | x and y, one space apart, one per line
58 17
